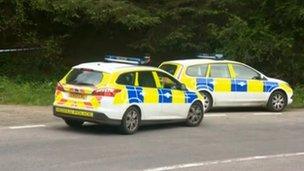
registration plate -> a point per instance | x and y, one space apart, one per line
74 112
77 96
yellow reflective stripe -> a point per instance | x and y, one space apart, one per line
74 112
150 95
80 104
255 86
190 82
231 70
156 78
63 80
95 102
178 96
285 87
58 96
208 70
222 85
122 97
69 103
136 79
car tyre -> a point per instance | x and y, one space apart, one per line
74 123
130 121
195 114
207 101
277 101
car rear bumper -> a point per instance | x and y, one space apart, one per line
84 115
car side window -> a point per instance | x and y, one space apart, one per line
243 72
126 78
219 71
146 79
170 68
197 70
167 81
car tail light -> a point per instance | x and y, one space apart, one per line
59 87
110 92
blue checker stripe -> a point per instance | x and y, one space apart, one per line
165 96
135 94
204 83
190 96
269 86
239 86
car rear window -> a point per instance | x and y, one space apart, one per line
170 68
84 77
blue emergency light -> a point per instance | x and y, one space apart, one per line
208 56
129 60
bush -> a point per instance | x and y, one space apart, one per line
298 97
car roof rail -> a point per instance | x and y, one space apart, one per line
210 56
138 60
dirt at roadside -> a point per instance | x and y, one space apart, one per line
16 115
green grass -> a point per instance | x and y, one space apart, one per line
18 91
298 99
26 92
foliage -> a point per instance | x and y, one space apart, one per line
267 34
298 97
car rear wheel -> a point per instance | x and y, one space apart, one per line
74 123
195 114
130 121
277 101
207 101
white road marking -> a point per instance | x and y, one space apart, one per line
214 115
266 114
26 126
215 162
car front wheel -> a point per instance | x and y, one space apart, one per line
195 114
277 101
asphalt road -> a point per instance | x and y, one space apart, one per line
247 139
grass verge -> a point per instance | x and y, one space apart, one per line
298 97
41 93
25 92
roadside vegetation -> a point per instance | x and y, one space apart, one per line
26 92
266 34
298 97
42 92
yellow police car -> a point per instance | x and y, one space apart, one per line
227 83
125 95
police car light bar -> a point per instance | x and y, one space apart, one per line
207 56
128 60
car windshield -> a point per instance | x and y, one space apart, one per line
84 77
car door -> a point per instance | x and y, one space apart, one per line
248 85
147 92
172 97
220 81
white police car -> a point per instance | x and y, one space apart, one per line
124 95
227 83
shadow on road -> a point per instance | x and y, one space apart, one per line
238 109
112 130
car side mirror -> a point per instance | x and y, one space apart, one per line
183 87
259 77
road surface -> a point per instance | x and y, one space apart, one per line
247 139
